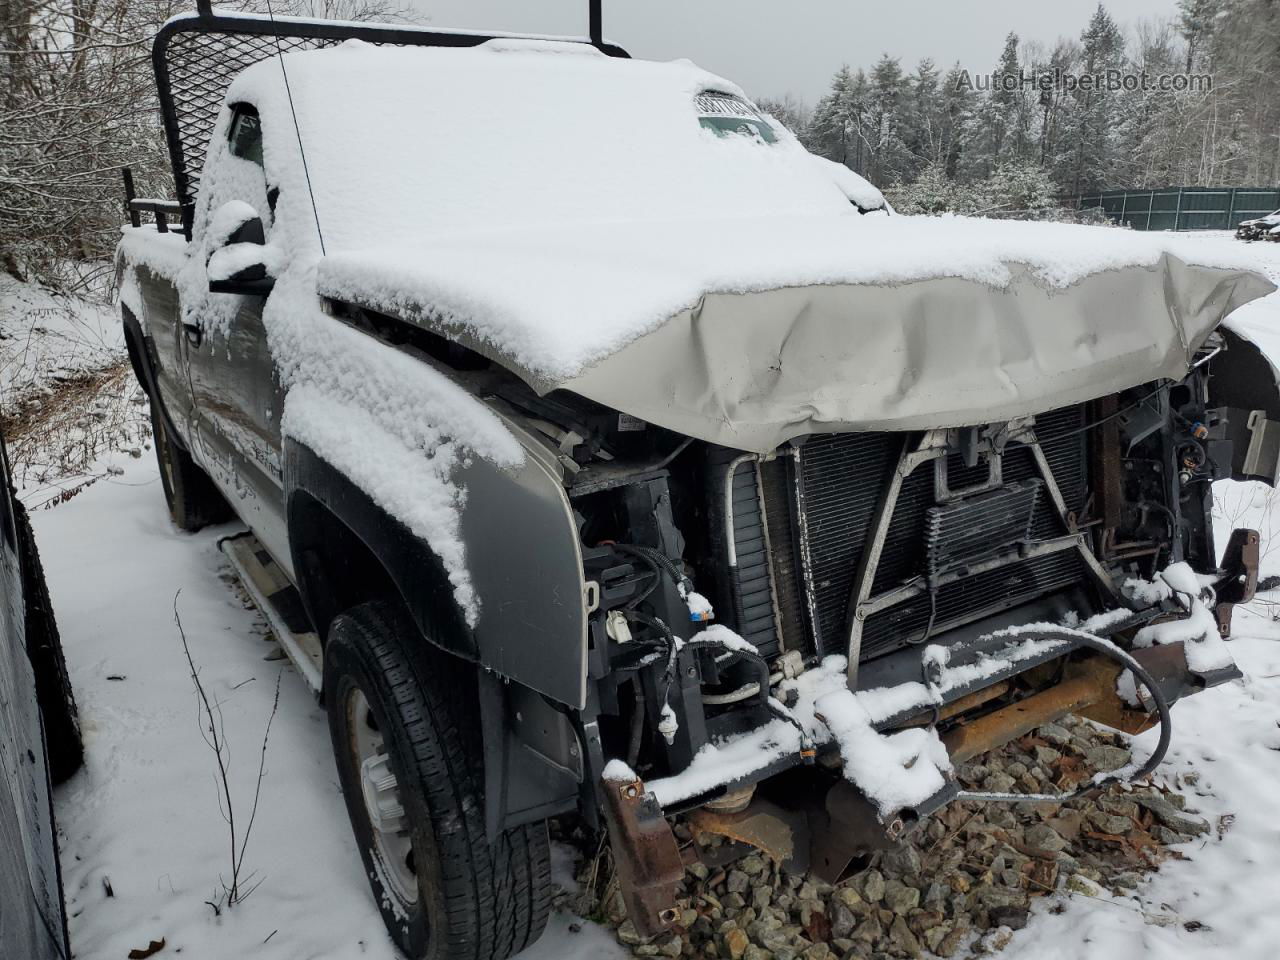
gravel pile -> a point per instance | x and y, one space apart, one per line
961 885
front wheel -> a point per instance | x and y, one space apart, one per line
402 716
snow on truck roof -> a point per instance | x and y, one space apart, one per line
548 206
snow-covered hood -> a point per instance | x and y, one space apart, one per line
571 216
750 332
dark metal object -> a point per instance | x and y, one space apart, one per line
195 58
129 195
847 831
645 855
1238 580
161 209
595 28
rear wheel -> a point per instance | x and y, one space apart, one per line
193 500
402 716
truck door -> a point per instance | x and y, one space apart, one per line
234 383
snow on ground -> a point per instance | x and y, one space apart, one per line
45 338
143 817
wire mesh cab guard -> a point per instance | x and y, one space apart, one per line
196 56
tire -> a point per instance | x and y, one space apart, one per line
44 649
194 502
476 898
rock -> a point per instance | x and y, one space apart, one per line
934 936
1077 883
988 895
1112 823
1119 806
1042 840
734 901
776 942
736 942
627 934
935 896
757 953
1167 836
819 951
1015 918
843 920
900 898
1172 817
998 783
848 896
752 866
904 859
922 921
1001 816
758 928
870 929
1054 733
902 937
872 887
673 946
1046 755
699 870
952 942
995 940
737 882
1107 758
1017 769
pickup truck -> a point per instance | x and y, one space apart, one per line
604 454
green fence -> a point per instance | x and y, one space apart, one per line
1184 208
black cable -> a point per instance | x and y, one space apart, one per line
1108 649
1109 417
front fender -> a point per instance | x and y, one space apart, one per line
522 556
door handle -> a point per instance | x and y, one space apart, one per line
194 334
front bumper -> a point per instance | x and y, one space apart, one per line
820 822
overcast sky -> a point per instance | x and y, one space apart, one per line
774 47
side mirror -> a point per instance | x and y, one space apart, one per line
242 262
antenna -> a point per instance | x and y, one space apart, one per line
595 22
315 212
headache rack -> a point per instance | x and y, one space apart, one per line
196 56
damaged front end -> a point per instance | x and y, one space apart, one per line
794 648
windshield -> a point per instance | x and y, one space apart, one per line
725 115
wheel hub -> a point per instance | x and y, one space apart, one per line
380 790
381 795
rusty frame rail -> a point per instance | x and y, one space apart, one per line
645 855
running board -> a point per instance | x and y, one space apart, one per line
279 602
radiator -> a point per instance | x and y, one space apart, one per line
804 519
